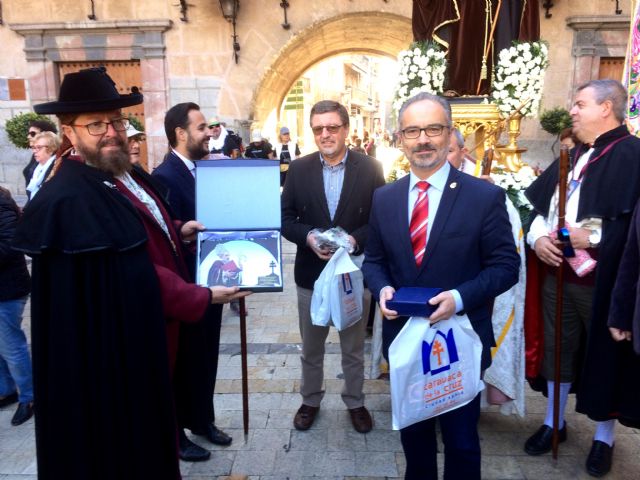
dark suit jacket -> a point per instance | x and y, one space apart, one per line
181 185
304 207
470 248
624 312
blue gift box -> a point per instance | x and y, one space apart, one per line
413 301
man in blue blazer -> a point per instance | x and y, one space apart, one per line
197 360
467 250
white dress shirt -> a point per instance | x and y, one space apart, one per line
542 226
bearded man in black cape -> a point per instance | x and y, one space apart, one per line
109 290
604 186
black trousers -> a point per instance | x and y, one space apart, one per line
196 370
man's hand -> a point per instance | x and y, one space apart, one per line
548 252
190 229
323 253
354 244
221 294
579 237
387 294
446 307
620 335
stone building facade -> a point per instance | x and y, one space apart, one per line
177 60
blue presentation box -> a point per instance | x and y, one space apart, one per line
413 301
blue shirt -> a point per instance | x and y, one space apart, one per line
333 178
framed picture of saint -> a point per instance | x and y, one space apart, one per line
249 259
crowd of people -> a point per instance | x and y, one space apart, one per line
118 318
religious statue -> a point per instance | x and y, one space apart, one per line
473 32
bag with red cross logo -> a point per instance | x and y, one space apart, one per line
434 369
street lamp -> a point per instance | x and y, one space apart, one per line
229 10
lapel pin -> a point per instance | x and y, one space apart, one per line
109 184
453 184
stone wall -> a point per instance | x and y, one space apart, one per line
193 60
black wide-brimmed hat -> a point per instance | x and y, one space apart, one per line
89 90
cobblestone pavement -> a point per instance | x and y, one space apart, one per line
331 449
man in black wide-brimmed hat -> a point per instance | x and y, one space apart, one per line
109 290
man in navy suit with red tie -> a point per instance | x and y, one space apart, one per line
438 227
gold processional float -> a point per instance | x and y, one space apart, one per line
483 123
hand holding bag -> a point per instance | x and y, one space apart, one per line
434 369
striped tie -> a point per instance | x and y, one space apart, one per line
419 220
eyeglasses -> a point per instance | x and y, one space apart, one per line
37 148
330 128
31 133
434 130
100 128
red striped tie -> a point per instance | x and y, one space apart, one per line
419 220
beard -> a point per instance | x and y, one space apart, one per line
438 158
196 151
115 162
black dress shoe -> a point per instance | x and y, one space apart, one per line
540 442
9 399
599 459
214 435
190 452
23 413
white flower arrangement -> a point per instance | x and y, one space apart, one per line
519 76
422 69
515 183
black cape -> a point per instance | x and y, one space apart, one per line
608 386
101 375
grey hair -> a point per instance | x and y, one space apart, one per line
458 136
432 98
611 90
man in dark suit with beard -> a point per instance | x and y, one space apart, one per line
197 361
330 188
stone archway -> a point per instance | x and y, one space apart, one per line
362 32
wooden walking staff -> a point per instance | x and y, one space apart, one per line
243 358
562 200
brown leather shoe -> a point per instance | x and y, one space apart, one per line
304 417
361 419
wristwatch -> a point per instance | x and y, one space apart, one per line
594 238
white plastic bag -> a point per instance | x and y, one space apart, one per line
337 293
434 369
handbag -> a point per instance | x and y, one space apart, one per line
434 369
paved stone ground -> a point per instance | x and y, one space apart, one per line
331 449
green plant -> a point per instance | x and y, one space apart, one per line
137 124
555 120
17 127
